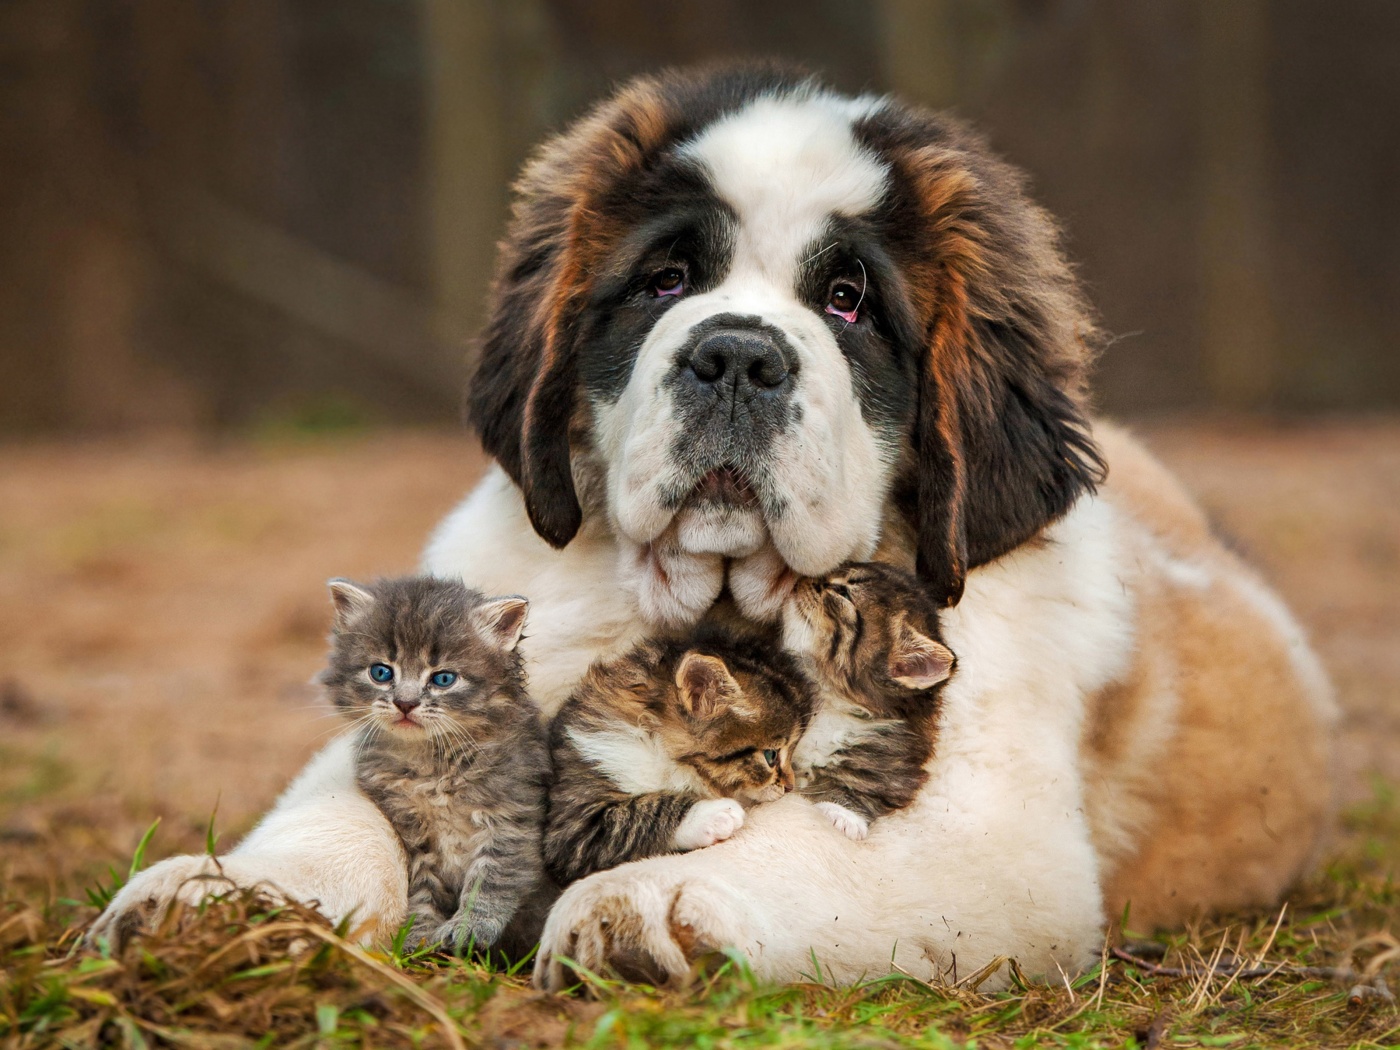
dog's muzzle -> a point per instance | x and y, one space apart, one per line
739 365
733 389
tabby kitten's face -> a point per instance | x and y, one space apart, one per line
420 659
868 632
735 726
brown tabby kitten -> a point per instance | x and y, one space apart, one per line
450 748
656 750
868 636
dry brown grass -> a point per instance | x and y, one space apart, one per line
163 610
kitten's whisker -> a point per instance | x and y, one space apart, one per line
341 730
368 726
451 735
440 743
467 738
352 723
459 732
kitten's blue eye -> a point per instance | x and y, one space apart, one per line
771 757
381 672
444 678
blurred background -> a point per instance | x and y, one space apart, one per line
216 213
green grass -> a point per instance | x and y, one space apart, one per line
239 972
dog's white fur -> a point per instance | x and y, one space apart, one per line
1035 632
785 166
1007 850
323 842
995 857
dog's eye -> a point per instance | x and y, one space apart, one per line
670 281
845 302
381 672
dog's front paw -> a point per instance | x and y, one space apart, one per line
708 822
142 902
639 923
847 821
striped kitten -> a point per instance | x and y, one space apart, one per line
451 749
867 634
659 750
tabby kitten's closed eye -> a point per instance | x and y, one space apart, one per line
868 636
450 748
658 750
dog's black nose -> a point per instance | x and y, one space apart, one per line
736 358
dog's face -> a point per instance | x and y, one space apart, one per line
741 382
743 310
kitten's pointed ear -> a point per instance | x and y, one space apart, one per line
916 660
501 621
706 685
349 599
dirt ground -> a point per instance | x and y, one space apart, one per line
162 605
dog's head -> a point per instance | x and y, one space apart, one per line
739 305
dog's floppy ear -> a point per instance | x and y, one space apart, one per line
523 395
1000 437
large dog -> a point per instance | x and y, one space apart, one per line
745 328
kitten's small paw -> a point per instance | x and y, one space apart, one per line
456 935
459 937
478 933
708 822
848 822
427 931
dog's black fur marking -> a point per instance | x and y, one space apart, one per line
970 353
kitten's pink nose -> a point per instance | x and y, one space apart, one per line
406 706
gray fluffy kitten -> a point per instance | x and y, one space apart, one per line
450 748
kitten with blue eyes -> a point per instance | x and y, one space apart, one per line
451 749
868 636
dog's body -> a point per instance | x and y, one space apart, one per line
744 328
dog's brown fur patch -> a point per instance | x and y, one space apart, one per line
1208 766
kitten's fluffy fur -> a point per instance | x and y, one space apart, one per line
458 767
657 750
868 636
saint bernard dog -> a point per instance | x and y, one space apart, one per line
744 329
